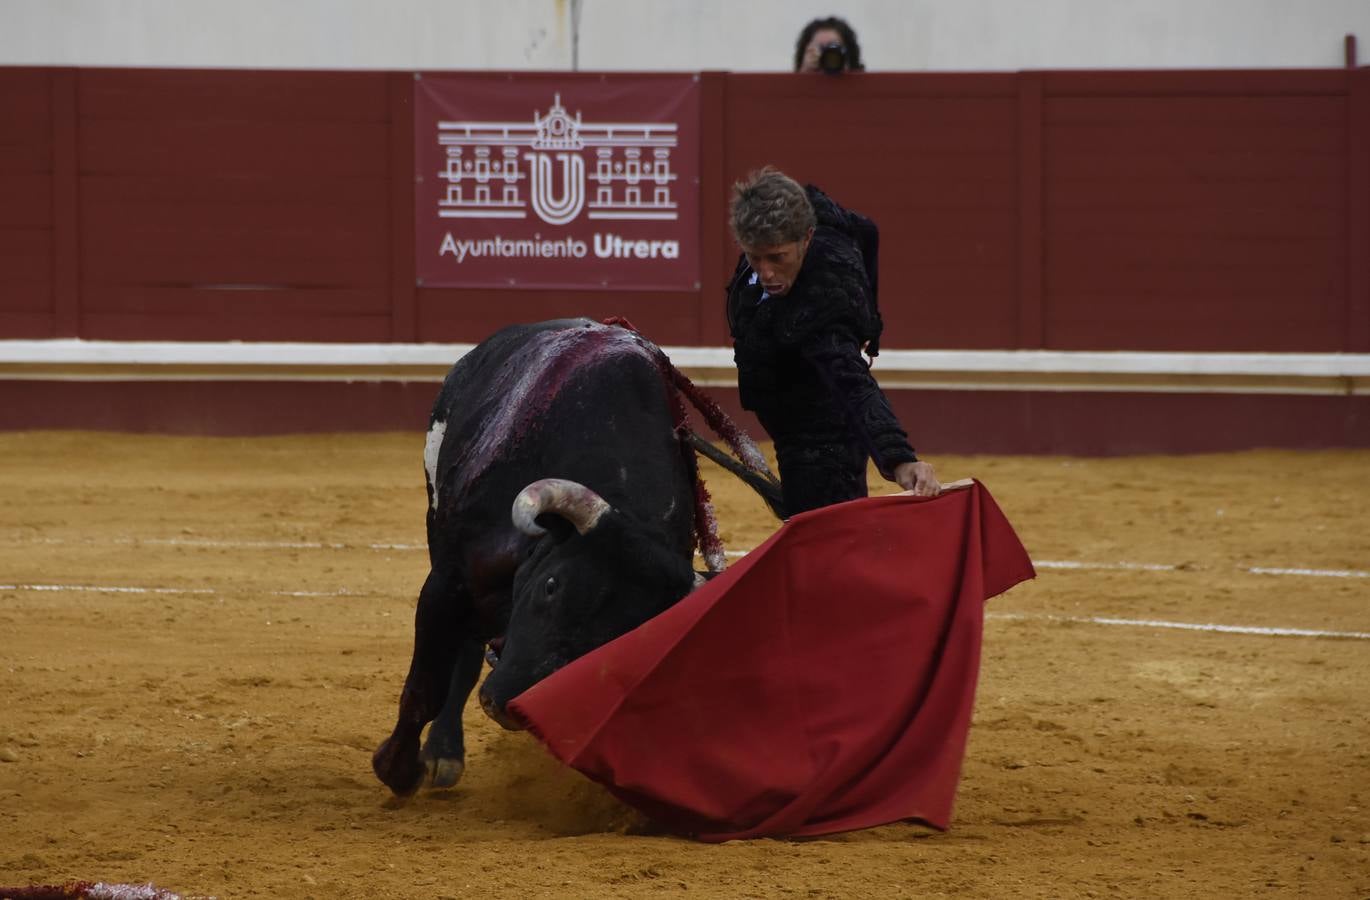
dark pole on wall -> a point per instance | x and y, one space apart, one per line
575 34
1350 51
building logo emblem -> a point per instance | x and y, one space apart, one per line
499 170
557 182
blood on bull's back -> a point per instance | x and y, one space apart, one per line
569 395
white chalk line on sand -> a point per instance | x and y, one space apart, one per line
228 545
1006 616
1064 564
126 589
1182 626
1166 567
1068 564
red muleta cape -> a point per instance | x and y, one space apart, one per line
823 683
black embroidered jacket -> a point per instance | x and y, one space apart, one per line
799 363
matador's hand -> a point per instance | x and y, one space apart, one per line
918 478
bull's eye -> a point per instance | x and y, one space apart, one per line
551 585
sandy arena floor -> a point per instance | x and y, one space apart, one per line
202 640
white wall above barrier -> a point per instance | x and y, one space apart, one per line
659 35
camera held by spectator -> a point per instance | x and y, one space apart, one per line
828 45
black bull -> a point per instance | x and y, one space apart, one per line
561 515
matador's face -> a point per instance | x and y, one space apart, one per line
777 266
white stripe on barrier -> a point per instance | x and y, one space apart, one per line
290 353
975 370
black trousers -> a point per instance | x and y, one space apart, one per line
814 475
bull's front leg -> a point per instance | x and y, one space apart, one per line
444 752
443 606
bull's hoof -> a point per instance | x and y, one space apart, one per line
397 770
395 801
443 773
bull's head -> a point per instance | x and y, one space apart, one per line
594 574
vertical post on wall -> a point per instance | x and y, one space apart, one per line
574 12
1350 47
1031 246
1358 231
713 329
404 324
66 206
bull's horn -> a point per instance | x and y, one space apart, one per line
571 500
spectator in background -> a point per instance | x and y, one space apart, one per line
844 53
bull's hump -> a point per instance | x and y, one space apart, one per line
527 382
530 381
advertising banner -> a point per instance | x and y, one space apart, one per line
581 182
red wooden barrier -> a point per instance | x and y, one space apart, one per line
1169 211
1069 210
29 206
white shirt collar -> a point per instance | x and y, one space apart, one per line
764 296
